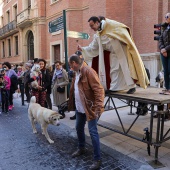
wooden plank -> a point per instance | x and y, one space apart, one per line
150 95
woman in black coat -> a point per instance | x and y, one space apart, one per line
43 83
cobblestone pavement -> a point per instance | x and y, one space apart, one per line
20 149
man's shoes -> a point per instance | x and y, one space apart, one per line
73 117
131 91
107 92
96 165
79 152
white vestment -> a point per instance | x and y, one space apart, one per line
119 71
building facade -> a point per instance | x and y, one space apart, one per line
26 26
22 32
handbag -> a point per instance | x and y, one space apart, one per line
61 89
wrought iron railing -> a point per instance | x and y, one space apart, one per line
7 28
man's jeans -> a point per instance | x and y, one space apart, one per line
92 126
166 67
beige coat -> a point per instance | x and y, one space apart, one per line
59 98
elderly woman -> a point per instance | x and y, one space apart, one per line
59 81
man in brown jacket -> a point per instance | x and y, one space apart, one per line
89 102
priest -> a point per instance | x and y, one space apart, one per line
113 54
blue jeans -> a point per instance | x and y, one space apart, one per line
92 126
166 67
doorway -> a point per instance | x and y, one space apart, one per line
30 46
57 56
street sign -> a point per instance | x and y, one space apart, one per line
56 25
74 34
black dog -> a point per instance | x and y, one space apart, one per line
160 79
142 108
63 108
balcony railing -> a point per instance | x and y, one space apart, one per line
23 16
12 25
7 28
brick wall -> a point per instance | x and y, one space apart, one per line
139 15
145 15
119 10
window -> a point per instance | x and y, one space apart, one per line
8 17
16 45
3 49
9 47
15 12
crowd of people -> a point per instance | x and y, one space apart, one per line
49 79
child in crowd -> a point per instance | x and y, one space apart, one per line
5 84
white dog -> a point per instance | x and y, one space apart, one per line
43 116
35 71
160 79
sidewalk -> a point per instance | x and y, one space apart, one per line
116 144
130 147
23 150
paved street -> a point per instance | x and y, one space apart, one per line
23 150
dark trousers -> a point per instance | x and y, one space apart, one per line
48 101
166 67
27 92
5 99
92 126
11 97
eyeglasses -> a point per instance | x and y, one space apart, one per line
166 17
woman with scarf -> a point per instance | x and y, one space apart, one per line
59 81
